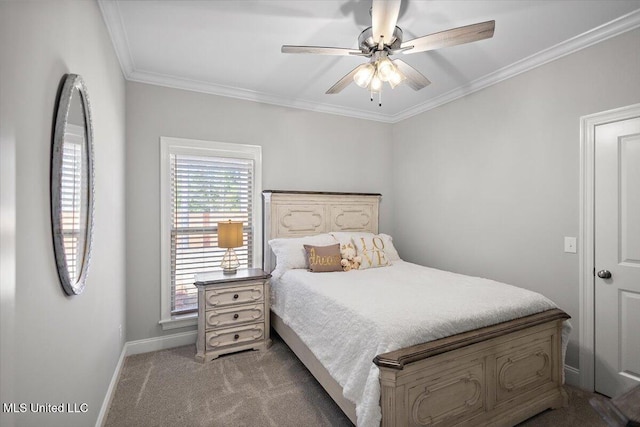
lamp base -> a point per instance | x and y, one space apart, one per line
230 262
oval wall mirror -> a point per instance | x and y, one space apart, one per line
72 184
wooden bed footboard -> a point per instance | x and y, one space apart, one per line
498 375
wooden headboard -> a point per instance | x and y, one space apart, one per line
298 213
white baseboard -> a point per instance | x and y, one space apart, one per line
138 347
571 376
160 343
102 415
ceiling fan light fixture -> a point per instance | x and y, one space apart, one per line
384 39
364 75
386 69
396 78
376 83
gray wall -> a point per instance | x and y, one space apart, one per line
57 349
494 175
301 150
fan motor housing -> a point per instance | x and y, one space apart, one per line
368 45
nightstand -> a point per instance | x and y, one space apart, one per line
233 312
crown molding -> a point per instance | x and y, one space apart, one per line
606 31
115 26
250 95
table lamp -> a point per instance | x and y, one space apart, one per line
230 236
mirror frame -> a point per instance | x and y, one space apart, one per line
71 84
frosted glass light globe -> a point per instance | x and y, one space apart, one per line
386 69
376 83
396 78
363 76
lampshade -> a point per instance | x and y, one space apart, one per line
230 234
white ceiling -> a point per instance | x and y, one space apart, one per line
232 48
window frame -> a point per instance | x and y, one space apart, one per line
169 146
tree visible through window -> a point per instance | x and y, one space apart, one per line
205 190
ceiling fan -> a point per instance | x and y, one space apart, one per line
383 39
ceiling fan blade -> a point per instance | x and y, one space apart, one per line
345 81
415 79
384 17
452 37
320 50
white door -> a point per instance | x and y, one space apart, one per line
617 253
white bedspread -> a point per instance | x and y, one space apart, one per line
346 319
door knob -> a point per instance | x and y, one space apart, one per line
604 274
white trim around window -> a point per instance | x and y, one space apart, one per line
170 146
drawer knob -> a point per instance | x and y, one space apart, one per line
236 336
235 316
235 296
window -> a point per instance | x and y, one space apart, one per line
204 183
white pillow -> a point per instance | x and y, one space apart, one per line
345 237
290 251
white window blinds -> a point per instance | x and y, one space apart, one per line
73 201
205 190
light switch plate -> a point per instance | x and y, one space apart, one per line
570 245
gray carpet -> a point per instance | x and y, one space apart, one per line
252 388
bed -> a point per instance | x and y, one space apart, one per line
500 373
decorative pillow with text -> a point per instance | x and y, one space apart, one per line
323 258
346 237
371 250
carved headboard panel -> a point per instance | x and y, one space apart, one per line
297 214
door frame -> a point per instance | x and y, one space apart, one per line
586 237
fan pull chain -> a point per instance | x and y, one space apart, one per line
379 97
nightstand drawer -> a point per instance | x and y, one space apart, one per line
222 338
245 294
234 315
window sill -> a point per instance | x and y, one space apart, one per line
182 321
